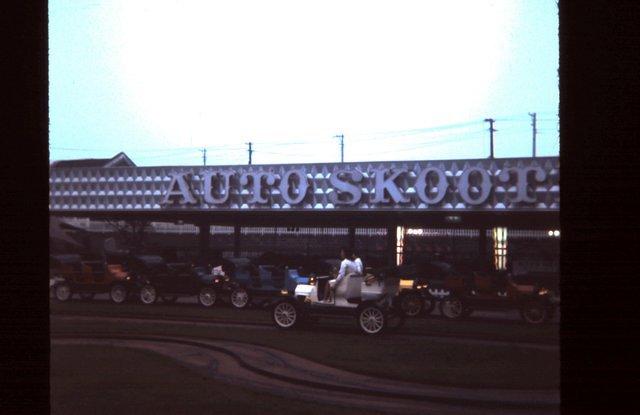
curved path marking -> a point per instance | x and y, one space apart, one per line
269 326
280 373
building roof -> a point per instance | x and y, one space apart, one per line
119 160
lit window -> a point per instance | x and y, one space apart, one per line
500 248
399 244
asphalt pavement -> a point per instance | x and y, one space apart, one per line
506 315
280 373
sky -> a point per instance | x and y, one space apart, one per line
401 80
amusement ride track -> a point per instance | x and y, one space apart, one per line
138 318
280 373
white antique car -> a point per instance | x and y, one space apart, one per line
370 299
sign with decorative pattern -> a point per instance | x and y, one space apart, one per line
512 184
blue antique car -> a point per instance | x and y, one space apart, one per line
257 283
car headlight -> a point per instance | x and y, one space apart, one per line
284 292
312 281
543 291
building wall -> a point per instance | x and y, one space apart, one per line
527 250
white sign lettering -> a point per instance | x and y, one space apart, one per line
350 187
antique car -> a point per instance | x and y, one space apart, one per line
370 299
535 295
419 281
258 284
72 274
157 278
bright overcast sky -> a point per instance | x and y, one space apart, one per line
161 79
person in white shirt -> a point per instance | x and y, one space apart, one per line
356 260
347 266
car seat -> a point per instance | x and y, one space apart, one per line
349 288
353 290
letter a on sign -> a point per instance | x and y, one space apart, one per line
179 187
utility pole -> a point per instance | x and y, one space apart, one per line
341 137
533 124
250 151
491 130
204 156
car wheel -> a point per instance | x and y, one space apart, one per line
239 298
86 296
429 305
534 312
285 315
169 299
371 319
411 304
207 297
148 294
452 308
118 293
63 292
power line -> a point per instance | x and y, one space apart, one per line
419 146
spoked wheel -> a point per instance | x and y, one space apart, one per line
86 296
148 294
285 315
371 319
239 298
452 308
207 297
118 294
429 305
169 299
411 304
534 312
63 292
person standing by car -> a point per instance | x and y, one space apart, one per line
356 260
347 266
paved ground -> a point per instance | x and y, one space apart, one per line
280 373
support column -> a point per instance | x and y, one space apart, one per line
483 256
352 238
204 238
236 241
391 245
